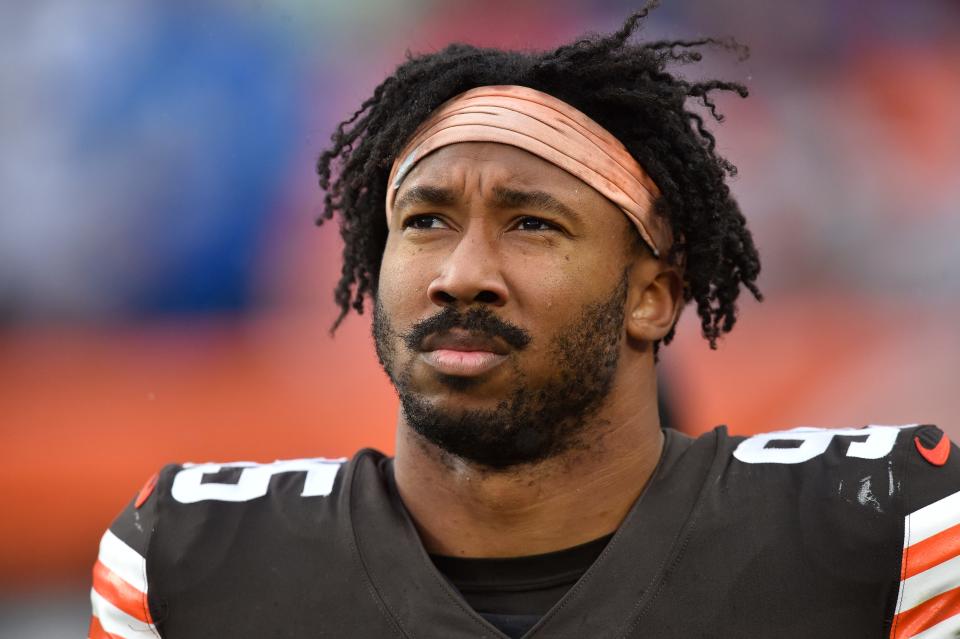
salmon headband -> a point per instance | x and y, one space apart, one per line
550 129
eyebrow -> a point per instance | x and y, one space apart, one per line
425 194
503 197
540 200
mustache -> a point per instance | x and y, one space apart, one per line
478 321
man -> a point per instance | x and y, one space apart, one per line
529 227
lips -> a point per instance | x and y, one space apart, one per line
461 340
461 353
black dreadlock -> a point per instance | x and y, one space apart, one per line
625 87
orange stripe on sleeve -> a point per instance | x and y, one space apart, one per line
96 630
928 614
931 551
121 594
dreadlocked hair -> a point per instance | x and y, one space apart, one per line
626 88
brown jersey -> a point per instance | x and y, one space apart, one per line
801 533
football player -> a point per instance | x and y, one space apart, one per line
528 227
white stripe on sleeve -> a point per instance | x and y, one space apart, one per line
124 561
118 623
929 583
930 520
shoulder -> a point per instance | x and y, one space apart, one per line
829 478
863 490
922 464
222 516
887 468
195 501
184 513
916 463
240 482
810 444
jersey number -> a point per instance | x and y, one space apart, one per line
802 444
189 487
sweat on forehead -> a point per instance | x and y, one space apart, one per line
550 129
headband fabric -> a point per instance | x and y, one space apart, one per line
550 129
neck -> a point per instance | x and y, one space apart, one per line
462 509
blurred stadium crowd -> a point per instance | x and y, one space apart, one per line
164 295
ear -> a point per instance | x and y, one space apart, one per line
654 299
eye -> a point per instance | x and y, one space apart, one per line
530 223
423 222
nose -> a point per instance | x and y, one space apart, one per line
469 275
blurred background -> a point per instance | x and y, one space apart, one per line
165 296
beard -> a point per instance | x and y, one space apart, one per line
533 423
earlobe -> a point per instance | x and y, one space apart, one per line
654 301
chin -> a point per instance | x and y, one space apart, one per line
492 385
455 400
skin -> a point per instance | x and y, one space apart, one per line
536 268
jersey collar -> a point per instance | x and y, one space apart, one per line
608 601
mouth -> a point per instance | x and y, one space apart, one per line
462 354
462 363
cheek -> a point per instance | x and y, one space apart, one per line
402 284
553 296
545 297
552 289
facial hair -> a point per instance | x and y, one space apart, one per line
533 423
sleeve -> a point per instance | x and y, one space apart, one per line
121 607
928 599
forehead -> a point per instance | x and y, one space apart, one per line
484 166
512 162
